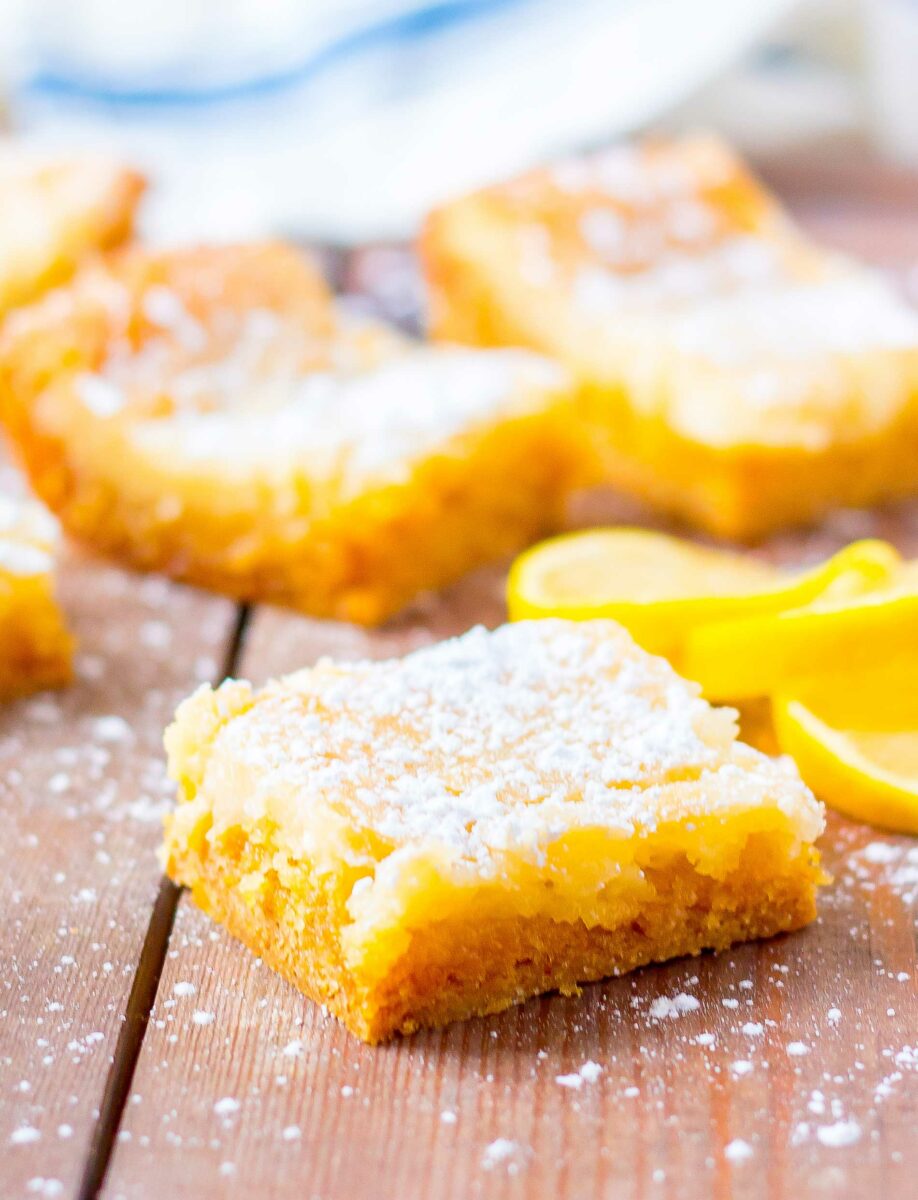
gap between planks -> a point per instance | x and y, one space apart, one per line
143 990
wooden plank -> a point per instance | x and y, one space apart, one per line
759 1091
81 794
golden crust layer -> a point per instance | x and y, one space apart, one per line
209 414
733 374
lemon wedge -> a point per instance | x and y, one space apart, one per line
855 741
661 588
844 627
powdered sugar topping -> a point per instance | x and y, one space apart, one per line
354 424
28 535
488 743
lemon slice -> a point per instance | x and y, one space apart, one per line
855 741
764 654
660 587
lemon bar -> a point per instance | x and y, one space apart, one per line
507 813
210 413
36 649
56 211
734 374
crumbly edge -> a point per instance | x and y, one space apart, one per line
455 969
747 492
36 648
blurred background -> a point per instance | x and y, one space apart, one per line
344 120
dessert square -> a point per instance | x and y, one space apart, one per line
57 211
733 373
36 650
424 839
211 414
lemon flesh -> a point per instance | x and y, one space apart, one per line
855 740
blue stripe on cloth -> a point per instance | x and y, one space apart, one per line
414 25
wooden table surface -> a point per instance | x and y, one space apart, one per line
141 1059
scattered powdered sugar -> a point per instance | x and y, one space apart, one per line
111 729
40 1185
899 868
675 1006
25 1135
156 635
841 1133
880 852
738 1151
226 1106
569 1081
588 1073
504 1152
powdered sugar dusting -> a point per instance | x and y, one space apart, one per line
738 1151
487 743
28 538
588 1073
665 1006
259 391
353 425
506 1153
841 1133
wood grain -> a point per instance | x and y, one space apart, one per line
81 795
